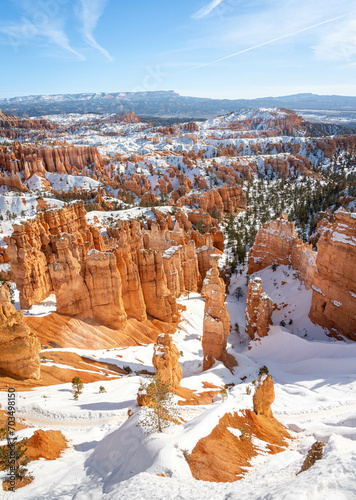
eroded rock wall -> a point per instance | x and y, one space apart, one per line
334 289
137 270
19 347
278 243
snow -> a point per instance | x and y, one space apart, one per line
343 238
65 182
110 456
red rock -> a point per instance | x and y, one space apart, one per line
19 348
165 361
216 326
278 243
264 396
334 290
259 308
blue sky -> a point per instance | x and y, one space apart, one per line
207 48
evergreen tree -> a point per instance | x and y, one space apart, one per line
13 458
160 411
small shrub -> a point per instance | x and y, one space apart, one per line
181 354
223 394
127 369
102 389
253 382
290 322
282 323
77 386
263 370
248 390
244 434
186 455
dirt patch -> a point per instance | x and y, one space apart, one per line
94 371
193 398
19 483
46 444
224 457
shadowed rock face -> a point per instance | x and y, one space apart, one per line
216 327
334 291
165 361
259 308
19 348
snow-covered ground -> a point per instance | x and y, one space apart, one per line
110 456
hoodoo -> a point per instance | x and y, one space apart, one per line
259 308
216 328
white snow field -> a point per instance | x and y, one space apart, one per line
110 457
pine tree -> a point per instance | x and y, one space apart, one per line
77 386
160 411
13 458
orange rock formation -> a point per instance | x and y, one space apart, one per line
227 199
278 243
264 396
259 308
165 361
334 289
136 271
216 327
19 348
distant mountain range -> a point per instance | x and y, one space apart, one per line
171 104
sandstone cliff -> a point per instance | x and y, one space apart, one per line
30 160
334 289
278 243
137 270
227 199
18 346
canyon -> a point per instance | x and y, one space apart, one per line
218 255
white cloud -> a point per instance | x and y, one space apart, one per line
89 13
37 23
339 43
207 9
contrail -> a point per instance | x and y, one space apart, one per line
268 42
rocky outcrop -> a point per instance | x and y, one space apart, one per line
278 243
137 270
315 453
216 326
30 160
264 396
165 361
19 348
159 301
259 308
8 121
31 249
46 444
227 199
334 287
